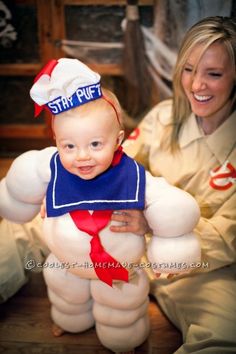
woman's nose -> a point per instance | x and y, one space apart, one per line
198 82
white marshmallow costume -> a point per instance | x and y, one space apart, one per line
79 295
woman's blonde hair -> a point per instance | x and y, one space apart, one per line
205 32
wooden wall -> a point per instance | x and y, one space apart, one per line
40 27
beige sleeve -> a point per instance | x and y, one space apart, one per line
21 251
218 237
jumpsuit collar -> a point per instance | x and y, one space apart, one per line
221 142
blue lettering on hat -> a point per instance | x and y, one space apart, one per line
81 96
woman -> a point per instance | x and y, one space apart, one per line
190 140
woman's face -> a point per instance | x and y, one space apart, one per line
209 88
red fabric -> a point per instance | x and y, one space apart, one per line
117 156
47 69
106 267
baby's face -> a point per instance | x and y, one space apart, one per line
86 140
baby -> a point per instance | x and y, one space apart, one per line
92 274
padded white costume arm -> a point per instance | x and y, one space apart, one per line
24 187
172 214
169 210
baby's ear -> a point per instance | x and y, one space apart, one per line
120 137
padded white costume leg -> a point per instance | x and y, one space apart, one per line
117 317
70 297
70 308
120 312
123 339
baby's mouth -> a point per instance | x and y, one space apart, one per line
85 169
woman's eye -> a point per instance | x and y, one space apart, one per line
214 74
188 69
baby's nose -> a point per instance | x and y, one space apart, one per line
83 154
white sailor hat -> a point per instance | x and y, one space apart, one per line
64 84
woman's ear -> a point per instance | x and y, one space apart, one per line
120 137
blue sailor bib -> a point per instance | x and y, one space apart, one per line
120 187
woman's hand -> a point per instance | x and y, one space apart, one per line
133 221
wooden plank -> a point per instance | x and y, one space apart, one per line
164 337
33 69
25 2
26 69
107 69
27 131
58 26
4 166
46 43
41 348
27 320
105 2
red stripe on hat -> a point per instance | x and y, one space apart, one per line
46 70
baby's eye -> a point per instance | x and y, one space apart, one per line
96 144
70 146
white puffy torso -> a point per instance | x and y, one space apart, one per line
72 246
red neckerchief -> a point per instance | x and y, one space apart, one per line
106 267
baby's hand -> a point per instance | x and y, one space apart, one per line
43 210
